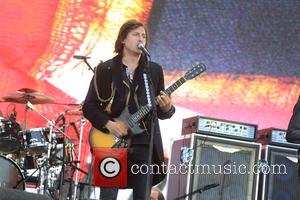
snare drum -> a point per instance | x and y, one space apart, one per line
9 141
35 140
11 175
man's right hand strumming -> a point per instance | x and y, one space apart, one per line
118 128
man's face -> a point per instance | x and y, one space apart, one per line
133 38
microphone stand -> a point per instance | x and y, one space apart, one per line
221 192
200 190
89 66
153 117
84 58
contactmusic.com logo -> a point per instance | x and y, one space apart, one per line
110 167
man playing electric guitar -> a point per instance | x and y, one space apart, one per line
118 84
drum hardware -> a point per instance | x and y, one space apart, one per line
26 95
70 152
50 123
36 143
77 112
45 180
45 176
9 138
41 162
83 122
68 155
67 104
27 90
72 164
75 129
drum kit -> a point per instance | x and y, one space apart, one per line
41 156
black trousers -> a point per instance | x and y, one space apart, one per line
137 170
137 176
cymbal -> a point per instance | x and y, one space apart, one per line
74 112
34 98
67 104
26 90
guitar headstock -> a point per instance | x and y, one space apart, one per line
194 71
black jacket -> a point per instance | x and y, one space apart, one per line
293 132
109 93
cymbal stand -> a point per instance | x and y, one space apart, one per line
51 123
45 164
27 97
62 174
26 111
83 122
42 164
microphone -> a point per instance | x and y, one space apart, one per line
144 50
81 57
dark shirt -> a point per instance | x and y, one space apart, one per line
293 132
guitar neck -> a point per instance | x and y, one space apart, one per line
144 110
175 85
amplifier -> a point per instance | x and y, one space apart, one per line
205 158
219 127
277 137
282 179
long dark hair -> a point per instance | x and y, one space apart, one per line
123 32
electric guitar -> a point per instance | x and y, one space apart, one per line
98 138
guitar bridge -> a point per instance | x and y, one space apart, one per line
120 144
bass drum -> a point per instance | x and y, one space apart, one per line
11 175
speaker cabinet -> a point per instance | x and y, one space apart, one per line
281 179
226 162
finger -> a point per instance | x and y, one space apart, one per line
123 129
122 133
158 98
117 134
165 99
122 125
163 93
161 102
165 96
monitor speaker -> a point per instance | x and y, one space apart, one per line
14 194
225 163
281 179
176 182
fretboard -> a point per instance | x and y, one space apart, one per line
144 110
